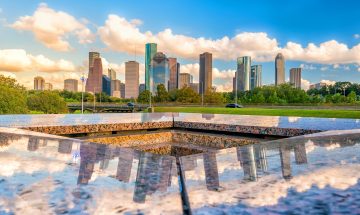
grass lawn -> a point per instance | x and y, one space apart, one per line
266 111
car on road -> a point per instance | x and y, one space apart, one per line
233 105
130 104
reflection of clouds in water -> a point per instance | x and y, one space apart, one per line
333 146
269 189
293 119
309 146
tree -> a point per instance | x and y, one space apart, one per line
47 102
351 97
12 96
144 97
214 98
187 95
161 94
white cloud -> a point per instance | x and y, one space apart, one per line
335 66
52 28
305 84
17 60
356 36
307 66
122 35
324 68
328 82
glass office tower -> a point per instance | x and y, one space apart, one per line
150 51
159 73
255 76
243 73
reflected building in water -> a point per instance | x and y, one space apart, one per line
211 171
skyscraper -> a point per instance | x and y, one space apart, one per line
39 83
279 69
243 73
194 87
159 71
48 86
255 76
122 90
295 77
115 88
205 73
112 74
71 85
131 79
92 56
185 80
94 81
174 73
106 85
150 51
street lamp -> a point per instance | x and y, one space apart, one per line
83 79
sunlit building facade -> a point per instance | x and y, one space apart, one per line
243 73
279 69
159 72
174 73
95 77
131 79
71 85
295 77
255 76
205 73
39 83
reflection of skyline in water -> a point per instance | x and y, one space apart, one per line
282 164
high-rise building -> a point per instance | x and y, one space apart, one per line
122 90
94 81
174 73
115 86
255 76
48 86
279 69
141 88
159 72
71 85
131 79
205 73
185 80
92 56
112 74
150 51
295 77
39 83
106 85
234 83
243 73
195 87
318 85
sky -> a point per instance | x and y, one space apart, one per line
52 38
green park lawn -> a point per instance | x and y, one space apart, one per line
266 111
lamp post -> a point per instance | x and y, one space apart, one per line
82 92
202 93
236 87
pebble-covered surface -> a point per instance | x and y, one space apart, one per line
90 123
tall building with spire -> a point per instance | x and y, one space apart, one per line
243 73
174 73
150 51
94 81
92 56
205 73
295 77
279 69
131 79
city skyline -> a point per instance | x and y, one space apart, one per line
326 53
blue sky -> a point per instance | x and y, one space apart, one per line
256 28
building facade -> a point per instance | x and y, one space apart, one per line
279 69
115 86
94 81
150 51
174 73
159 72
141 88
255 76
71 85
205 73
48 86
106 85
39 83
295 77
131 79
92 56
185 80
195 87
122 90
243 73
